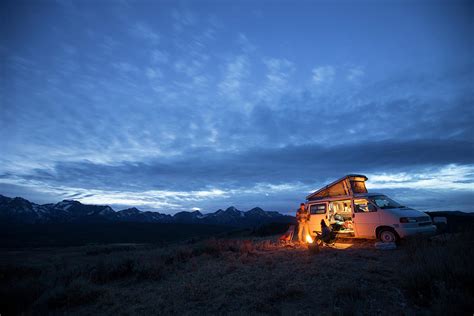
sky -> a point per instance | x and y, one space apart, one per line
181 105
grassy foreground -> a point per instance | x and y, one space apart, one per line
236 276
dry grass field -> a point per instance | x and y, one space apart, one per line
242 276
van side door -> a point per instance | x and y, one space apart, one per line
317 211
365 218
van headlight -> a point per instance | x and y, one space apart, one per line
407 220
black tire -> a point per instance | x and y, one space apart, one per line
388 235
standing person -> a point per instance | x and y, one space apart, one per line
302 216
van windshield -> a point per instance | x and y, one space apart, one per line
385 202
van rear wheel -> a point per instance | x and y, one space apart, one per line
387 235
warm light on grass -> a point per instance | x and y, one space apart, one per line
342 246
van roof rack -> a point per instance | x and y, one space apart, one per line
345 186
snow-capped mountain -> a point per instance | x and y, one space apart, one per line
228 217
135 215
188 217
19 210
77 209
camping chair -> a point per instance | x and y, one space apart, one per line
329 242
288 236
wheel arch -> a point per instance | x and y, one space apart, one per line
379 229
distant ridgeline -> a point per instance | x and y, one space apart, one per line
21 211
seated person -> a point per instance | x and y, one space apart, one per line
338 222
339 218
326 233
332 212
361 208
347 208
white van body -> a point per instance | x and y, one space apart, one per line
363 214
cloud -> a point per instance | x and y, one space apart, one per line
159 57
153 73
236 71
323 74
124 67
278 75
183 19
189 67
200 106
355 73
245 44
144 32
277 166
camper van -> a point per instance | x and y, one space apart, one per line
346 205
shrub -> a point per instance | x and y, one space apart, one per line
77 293
348 299
112 271
196 290
283 293
313 248
183 255
14 272
149 270
438 274
210 247
247 247
16 297
351 291
266 245
98 250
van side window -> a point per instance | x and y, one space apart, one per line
317 209
363 206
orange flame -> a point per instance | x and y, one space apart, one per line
309 239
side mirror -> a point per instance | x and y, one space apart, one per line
372 208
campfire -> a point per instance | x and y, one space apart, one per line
288 236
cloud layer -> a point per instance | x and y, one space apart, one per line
187 108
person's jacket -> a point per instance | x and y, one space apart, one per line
325 233
302 216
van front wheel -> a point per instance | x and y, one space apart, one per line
387 235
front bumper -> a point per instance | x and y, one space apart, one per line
412 231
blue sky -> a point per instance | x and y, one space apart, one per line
172 106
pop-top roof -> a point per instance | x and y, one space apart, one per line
345 186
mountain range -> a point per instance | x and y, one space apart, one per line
20 210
